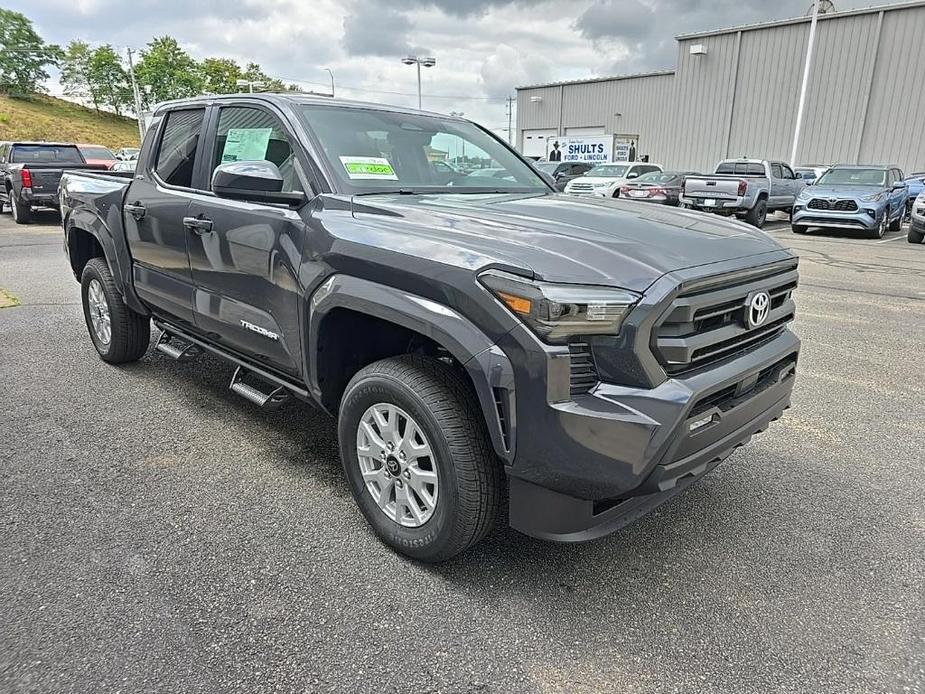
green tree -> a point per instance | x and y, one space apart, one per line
166 71
75 70
109 82
254 73
220 75
23 54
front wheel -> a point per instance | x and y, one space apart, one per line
798 228
119 334
914 236
880 229
758 214
417 457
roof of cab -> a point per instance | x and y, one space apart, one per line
297 98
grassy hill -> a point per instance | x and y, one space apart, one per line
47 118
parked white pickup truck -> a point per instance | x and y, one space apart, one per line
747 188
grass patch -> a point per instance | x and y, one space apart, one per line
41 117
7 300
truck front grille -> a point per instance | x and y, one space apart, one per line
837 205
707 321
583 373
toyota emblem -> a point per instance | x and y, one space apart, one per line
758 309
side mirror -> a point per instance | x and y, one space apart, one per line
632 174
256 181
899 185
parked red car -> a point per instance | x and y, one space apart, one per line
97 154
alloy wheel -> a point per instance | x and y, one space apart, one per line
98 309
398 465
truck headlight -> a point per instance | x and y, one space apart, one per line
804 195
556 312
876 197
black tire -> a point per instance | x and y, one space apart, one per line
468 473
22 214
130 331
616 193
914 236
758 215
880 230
798 228
897 223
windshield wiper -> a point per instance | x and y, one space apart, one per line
400 191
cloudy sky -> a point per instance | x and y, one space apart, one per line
484 48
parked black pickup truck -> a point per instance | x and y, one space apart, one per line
473 335
30 172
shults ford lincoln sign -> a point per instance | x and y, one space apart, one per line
594 150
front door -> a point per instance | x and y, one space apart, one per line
245 266
153 212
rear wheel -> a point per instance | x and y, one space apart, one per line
758 214
915 236
22 213
119 334
417 456
897 223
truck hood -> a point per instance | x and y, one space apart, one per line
556 237
843 191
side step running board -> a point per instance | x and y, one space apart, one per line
176 348
269 400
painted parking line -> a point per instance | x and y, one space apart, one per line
895 238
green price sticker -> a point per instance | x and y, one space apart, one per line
368 168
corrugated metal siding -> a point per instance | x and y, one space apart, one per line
895 127
701 102
716 106
770 72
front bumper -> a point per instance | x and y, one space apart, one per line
866 218
608 457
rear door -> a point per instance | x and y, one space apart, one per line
246 266
155 204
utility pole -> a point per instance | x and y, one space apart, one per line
137 94
809 61
510 113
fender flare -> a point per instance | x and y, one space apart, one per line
487 365
116 253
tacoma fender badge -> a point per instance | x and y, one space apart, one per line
260 331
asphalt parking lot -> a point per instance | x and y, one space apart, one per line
160 534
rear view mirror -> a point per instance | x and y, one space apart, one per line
256 181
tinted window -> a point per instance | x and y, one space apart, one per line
775 171
740 168
45 154
97 153
249 134
788 172
177 154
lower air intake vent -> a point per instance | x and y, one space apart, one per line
583 373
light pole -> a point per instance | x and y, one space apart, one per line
426 62
332 79
460 114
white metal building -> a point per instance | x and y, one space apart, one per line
735 92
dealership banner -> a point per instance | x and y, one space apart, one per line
594 150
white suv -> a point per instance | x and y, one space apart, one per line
604 180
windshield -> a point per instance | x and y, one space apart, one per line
608 171
45 154
97 153
853 177
374 151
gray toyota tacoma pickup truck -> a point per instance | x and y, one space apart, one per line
477 338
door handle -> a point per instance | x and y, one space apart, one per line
136 209
198 225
